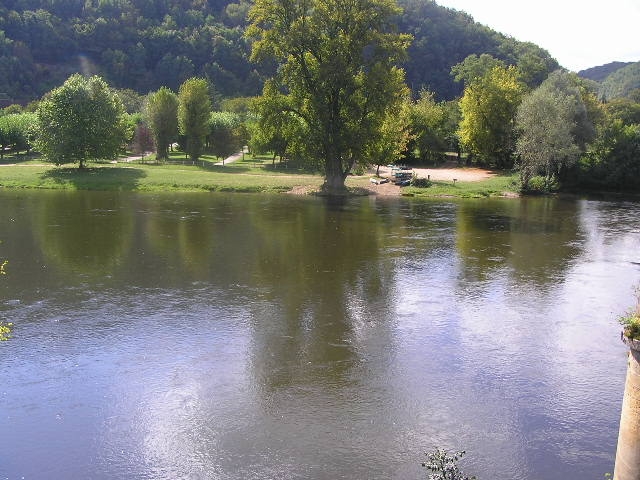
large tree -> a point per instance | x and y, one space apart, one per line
161 112
79 121
545 122
337 75
488 109
194 110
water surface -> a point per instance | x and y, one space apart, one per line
254 337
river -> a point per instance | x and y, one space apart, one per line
206 336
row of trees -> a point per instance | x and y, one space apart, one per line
85 120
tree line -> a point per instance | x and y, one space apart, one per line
145 44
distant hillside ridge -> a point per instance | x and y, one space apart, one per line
145 44
621 83
599 73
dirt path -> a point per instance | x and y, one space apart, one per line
447 173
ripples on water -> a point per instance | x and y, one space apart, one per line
204 336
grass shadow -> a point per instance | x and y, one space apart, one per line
18 158
96 178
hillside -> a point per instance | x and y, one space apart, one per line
599 73
144 44
622 82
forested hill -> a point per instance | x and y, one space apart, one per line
144 44
624 82
601 72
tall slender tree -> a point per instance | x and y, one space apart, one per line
194 110
161 112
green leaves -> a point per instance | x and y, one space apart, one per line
194 108
337 80
488 112
161 113
552 122
79 121
5 331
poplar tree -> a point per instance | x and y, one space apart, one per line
194 110
161 112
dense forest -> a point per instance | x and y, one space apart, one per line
145 44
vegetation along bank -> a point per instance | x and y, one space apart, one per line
343 92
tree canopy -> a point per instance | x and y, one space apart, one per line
161 113
194 109
546 121
145 44
338 76
79 121
488 109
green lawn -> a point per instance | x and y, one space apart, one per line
248 175
499 185
152 177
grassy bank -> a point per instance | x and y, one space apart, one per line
240 176
251 174
500 185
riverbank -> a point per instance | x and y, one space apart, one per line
248 175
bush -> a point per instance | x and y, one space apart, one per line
444 466
631 320
420 182
539 184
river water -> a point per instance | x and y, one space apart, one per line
204 336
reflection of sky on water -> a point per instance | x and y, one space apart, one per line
225 350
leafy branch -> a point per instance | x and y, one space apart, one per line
444 465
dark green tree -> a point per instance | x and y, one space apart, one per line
338 74
612 161
194 110
81 120
546 121
161 113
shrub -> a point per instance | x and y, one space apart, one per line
420 182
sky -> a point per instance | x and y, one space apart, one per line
579 34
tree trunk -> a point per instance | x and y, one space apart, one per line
334 177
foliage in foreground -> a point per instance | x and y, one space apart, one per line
161 113
5 331
549 121
444 465
631 320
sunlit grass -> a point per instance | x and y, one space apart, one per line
150 177
491 187
251 174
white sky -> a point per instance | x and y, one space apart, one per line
579 34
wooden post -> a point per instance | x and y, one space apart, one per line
628 451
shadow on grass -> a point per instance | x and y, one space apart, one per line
17 158
207 165
96 178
